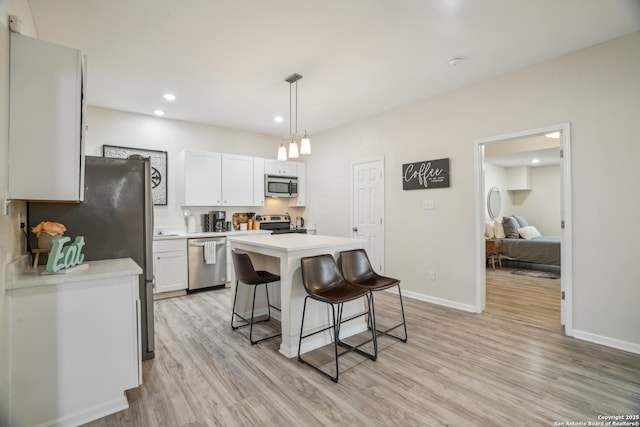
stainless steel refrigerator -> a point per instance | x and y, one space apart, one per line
116 220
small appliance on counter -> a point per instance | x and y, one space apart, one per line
218 220
278 224
299 223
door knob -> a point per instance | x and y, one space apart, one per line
355 229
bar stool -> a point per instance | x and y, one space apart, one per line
356 268
323 282
245 273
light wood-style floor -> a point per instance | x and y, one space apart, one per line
527 299
458 369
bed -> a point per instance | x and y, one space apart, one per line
522 242
538 250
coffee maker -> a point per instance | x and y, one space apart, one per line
218 219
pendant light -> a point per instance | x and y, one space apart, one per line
305 142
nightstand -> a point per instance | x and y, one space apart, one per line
493 247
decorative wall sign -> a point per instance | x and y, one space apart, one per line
158 168
427 174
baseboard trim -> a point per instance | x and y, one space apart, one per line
438 301
607 341
90 414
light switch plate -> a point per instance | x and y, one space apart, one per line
427 204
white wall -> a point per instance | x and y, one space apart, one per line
111 127
541 205
11 241
597 90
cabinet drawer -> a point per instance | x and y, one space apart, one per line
169 245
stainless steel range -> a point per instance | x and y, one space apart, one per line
278 224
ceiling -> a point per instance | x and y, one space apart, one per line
532 151
226 60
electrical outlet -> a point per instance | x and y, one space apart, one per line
432 275
427 204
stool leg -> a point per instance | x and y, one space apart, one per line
266 289
233 310
253 305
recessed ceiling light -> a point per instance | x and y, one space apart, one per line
278 119
535 161
169 97
158 112
554 135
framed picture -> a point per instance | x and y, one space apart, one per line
158 168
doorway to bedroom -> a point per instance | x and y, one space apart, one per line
523 183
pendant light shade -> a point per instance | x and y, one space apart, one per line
305 144
293 149
305 141
282 153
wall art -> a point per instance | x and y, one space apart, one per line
158 168
425 175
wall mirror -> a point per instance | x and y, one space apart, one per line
494 202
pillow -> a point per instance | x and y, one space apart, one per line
521 221
498 230
529 232
510 227
488 230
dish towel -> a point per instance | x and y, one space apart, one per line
210 252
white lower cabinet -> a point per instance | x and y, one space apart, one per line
170 265
74 346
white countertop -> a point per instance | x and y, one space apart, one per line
294 241
96 270
201 234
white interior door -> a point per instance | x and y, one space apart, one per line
368 208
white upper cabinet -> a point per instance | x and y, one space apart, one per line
237 180
200 178
258 181
301 200
46 127
276 167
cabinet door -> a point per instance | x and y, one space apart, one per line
170 271
46 144
275 167
237 180
258 181
202 178
301 200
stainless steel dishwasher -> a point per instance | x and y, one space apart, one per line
207 262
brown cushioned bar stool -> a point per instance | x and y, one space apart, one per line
245 273
323 282
357 270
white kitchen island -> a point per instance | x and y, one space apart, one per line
281 254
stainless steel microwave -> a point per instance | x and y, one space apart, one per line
280 186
